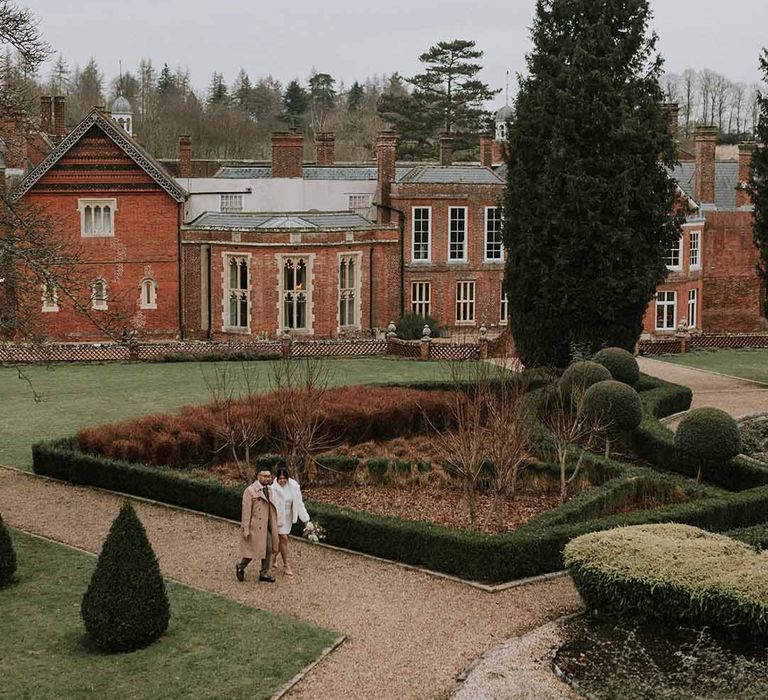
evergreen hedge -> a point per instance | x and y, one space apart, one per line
672 573
7 556
126 607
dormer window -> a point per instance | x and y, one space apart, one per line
97 217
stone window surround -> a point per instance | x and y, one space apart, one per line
150 303
50 298
84 204
280 259
357 290
226 257
100 302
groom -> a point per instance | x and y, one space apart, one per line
258 527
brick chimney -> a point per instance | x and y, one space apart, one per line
705 139
185 156
46 114
324 148
745 170
486 151
386 143
59 113
287 154
671 112
446 148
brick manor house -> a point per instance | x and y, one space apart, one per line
195 249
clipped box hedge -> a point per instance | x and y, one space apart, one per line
672 573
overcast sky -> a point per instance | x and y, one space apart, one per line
353 40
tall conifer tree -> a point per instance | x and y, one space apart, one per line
589 201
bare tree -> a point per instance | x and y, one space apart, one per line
689 81
738 104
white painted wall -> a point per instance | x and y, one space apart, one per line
273 194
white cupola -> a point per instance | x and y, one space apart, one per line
122 113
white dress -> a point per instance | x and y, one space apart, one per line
289 505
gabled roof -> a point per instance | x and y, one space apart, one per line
726 180
121 138
285 220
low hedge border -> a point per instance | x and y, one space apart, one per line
755 536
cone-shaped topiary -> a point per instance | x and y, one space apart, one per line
612 405
621 364
708 436
580 376
7 555
125 606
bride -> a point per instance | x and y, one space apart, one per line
290 509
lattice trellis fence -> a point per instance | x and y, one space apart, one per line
446 351
338 348
403 348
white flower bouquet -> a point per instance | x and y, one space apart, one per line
314 532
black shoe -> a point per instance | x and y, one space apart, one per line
240 572
267 578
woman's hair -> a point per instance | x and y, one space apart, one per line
282 472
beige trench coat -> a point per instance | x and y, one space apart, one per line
257 512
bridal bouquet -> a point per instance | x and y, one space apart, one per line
314 532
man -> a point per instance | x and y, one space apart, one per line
258 527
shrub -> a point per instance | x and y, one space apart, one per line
411 326
7 555
580 376
612 404
621 364
708 436
672 573
755 536
126 606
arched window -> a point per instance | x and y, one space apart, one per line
148 288
97 217
99 294
50 297
294 293
238 293
349 291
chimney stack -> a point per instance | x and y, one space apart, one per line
745 171
46 114
446 148
486 151
671 112
59 111
185 156
386 143
705 139
287 154
324 145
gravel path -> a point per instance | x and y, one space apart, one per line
410 634
735 396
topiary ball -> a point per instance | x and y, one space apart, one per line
708 435
7 555
613 405
621 364
126 606
580 376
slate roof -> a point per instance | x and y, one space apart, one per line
300 220
726 179
450 174
311 172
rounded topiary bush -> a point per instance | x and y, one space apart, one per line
621 364
126 606
411 326
582 375
612 405
7 555
708 436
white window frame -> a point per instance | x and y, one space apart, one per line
503 307
360 203
421 298
695 236
669 301
239 292
465 302
231 203
148 293
49 298
350 295
100 303
693 308
675 253
464 242
488 242
89 208
428 257
307 292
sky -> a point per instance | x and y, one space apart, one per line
354 40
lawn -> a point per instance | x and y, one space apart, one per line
76 396
747 364
214 647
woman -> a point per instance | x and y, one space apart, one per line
290 508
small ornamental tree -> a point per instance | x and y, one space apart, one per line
126 606
580 376
707 437
620 363
614 406
7 555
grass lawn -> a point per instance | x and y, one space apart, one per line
214 647
76 396
747 364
